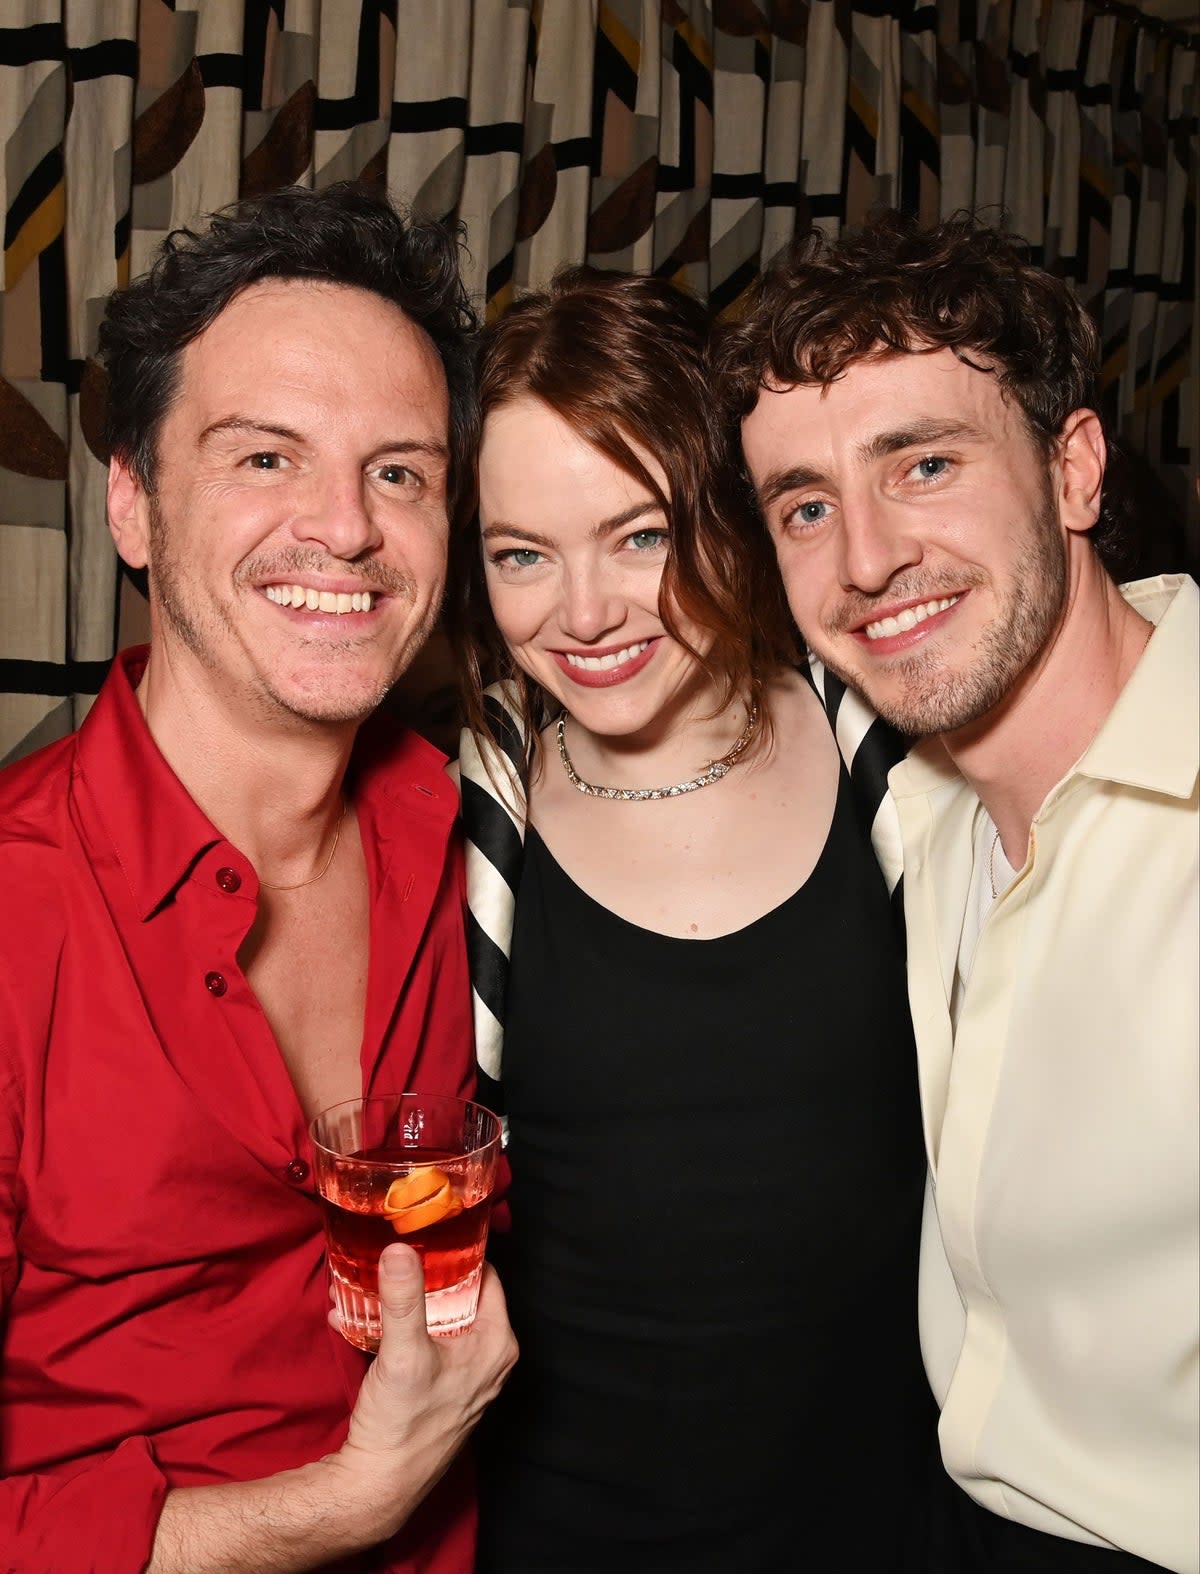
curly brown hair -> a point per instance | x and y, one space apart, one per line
893 287
621 359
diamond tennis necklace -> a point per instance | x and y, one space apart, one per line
713 772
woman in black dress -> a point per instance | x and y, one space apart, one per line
707 1064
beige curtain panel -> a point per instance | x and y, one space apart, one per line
687 137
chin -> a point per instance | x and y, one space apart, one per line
328 704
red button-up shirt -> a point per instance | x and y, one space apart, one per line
161 1255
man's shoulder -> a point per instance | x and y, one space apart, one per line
38 875
34 799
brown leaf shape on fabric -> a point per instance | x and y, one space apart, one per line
739 18
626 213
953 83
93 407
992 85
789 20
284 153
28 444
166 129
374 171
539 184
693 243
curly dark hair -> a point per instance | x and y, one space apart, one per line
621 359
348 233
893 287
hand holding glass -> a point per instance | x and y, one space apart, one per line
411 1167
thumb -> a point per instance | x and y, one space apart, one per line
401 1293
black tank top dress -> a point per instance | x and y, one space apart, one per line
717 1175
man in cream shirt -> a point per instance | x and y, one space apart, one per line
919 420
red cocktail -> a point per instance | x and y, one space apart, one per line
406 1167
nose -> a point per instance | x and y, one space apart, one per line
338 515
878 538
590 604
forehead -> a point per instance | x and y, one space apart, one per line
339 350
529 448
875 396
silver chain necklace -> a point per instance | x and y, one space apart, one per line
713 773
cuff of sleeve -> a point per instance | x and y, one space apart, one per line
103 1518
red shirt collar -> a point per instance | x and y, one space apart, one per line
158 832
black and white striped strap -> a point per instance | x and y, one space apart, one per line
493 815
869 747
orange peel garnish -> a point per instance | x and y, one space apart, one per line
419 1199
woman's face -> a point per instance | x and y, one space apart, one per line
574 549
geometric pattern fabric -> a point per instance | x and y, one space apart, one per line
688 138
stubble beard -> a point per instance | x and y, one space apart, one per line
203 633
936 697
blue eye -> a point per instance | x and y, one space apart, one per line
646 540
517 557
932 466
811 513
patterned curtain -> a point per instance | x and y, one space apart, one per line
687 137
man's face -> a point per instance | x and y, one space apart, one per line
917 533
296 534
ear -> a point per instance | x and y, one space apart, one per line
128 514
1082 454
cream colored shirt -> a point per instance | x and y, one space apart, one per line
1060 1272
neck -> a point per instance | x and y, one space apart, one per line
1024 746
272 784
680 741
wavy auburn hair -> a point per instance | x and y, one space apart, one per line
893 287
621 359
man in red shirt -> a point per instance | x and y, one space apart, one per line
225 908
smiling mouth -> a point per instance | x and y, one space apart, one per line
319 600
886 628
616 658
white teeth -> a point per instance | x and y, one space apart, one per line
318 600
908 619
618 658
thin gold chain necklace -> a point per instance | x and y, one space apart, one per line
312 880
712 773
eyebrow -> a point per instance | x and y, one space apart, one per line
917 434
605 527
244 425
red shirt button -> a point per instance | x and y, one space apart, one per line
229 880
297 1171
215 983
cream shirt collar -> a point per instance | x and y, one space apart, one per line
1149 739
